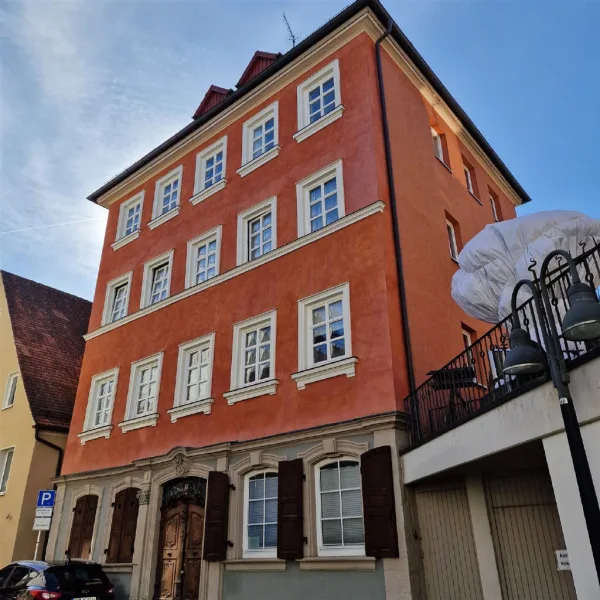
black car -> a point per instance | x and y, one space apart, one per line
39 580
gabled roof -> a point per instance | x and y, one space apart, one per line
213 96
48 327
305 45
258 63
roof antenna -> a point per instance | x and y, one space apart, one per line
292 36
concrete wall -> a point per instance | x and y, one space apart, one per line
301 585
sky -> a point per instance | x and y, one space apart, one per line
88 87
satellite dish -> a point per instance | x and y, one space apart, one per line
494 260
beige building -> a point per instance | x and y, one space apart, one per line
41 346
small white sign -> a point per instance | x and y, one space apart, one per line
41 523
562 560
43 512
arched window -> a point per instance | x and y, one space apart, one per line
124 524
82 529
260 514
340 528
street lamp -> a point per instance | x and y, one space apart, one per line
581 322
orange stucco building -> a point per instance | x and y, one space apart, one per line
291 336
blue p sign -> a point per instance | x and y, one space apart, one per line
45 498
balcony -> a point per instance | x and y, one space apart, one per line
473 382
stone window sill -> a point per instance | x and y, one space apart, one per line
139 422
342 563
443 163
209 191
164 218
344 366
255 564
258 162
193 408
264 388
319 124
475 197
94 434
126 239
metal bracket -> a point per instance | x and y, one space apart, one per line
230 543
231 486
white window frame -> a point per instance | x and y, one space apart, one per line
355 550
201 192
466 336
249 164
148 278
111 288
131 420
452 242
4 452
122 239
304 186
10 391
438 147
192 247
244 218
494 208
244 391
305 127
469 179
103 431
181 408
308 371
157 217
247 552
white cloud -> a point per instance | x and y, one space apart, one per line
77 116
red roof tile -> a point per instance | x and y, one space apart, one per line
48 327
213 96
258 63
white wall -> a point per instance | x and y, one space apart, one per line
570 511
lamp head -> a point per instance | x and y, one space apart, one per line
524 356
582 321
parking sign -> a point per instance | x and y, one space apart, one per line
46 498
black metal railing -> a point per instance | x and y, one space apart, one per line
473 382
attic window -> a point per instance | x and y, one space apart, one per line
258 63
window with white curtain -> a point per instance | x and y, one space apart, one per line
340 527
260 515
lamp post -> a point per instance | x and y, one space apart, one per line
581 322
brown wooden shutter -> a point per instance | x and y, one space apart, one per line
217 513
290 535
114 544
74 548
129 526
123 527
89 519
381 535
82 529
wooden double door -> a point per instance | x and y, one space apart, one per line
180 551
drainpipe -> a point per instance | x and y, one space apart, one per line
56 474
393 203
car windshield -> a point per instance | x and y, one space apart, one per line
75 576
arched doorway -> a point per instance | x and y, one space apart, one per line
180 541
